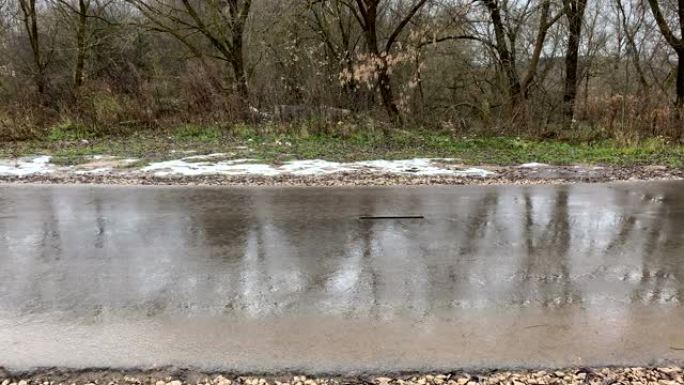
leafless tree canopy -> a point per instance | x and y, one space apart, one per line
510 67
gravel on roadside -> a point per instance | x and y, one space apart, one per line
664 376
502 175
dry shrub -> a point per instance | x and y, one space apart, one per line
23 121
205 97
105 111
631 117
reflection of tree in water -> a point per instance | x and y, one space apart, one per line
661 273
49 250
521 262
365 240
390 257
546 276
100 224
345 274
468 237
476 224
236 252
282 255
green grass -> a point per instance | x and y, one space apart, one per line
191 132
68 130
274 144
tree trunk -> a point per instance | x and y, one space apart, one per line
239 17
368 11
570 89
30 19
388 97
633 51
35 45
506 55
505 48
680 79
575 14
679 102
240 75
81 44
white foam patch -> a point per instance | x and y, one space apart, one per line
420 167
212 165
26 166
533 165
313 167
95 171
228 167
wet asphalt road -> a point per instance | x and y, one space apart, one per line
271 279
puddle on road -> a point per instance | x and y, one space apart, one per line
268 279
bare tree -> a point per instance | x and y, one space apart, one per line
677 43
79 14
368 14
335 26
467 66
506 33
221 23
29 18
630 31
81 31
574 12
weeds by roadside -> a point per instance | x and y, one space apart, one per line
68 143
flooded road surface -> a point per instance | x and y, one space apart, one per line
291 279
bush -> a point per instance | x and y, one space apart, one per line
70 130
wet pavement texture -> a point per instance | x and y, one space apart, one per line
291 279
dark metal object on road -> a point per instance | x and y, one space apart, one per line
371 217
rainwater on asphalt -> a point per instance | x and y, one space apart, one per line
282 279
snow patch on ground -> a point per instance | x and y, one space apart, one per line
26 166
216 164
533 165
227 167
420 167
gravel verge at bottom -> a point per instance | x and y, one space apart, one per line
665 376
502 175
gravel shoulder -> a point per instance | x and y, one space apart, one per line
226 169
499 175
171 376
